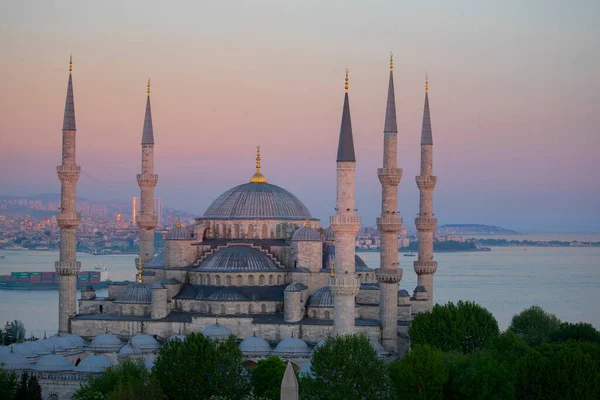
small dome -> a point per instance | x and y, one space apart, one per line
292 347
420 289
180 232
76 340
106 342
321 298
295 287
58 343
129 350
93 363
403 293
255 345
306 234
86 287
53 362
136 293
144 342
31 348
177 337
328 235
12 360
156 285
217 331
238 259
227 294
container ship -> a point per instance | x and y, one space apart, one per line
49 280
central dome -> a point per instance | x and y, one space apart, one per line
257 200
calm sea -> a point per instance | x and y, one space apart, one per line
564 281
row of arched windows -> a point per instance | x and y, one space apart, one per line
238 280
253 231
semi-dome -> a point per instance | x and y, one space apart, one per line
53 362
238 259
257 200
403 293
296 287
217 331
292 347
12 360
255 345
93 363
321 298
329 257
136 293
227 294
328 235
180 232
306 234
106 342
144 342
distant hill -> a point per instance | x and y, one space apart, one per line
473 229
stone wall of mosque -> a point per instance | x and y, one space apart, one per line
313 280
219 308
180 253
308 255
96 306
59 386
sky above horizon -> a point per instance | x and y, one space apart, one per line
514 96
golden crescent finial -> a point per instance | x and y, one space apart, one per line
179 222
148 87
391 61
331 272
306 224
347 80
70 63
426 83
139 274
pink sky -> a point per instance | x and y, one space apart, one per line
513 91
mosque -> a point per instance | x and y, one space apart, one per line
256 265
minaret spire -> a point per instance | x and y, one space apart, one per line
147 180
389 224
343 282
426 224
68 218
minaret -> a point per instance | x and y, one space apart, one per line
425 267
344 284
389 225
68 218
147 180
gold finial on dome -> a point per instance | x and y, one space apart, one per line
331 272
391 61
148 86
179 222
426 83
70 63
347 80
139 268
258 177
306 224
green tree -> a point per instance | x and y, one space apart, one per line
34 390
346 368
421 374
508 348
8 384
465 326
266 378
581 332
127 380
199 367
534 325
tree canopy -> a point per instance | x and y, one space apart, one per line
465 326
345 367
534 325
421 374
266 378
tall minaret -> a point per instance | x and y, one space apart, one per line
68 218
425 267
344 284
389 225
147 180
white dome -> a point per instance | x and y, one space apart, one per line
292 347
93 364
12 360
255 345
106 342
217 331
53 362
144 342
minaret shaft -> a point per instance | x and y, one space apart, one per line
426 224
389 225
68 219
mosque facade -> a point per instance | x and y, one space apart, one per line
256 265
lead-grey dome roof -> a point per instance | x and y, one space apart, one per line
255 345
53 362
106 342
292 347
307 234
179 233
136 293
295 287
257 200
329 256
328 235
12 360
93 363
227 294
216 331
321 298
238 259
144 342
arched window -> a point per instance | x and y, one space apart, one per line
314 314
279 279
222 311
326 314
239 281
250 280
278 231
250 231
261 280
209 309
228 280
360 280
237 309
237 230
270 279
218 280
263 308
367 279
265 234
200 279
100 308
249 308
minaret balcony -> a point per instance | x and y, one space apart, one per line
389 176
423 267
344 224
147 180
147 221
424 224
389 224
67 268
68 220
426 182
68 173
344 285
385 275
